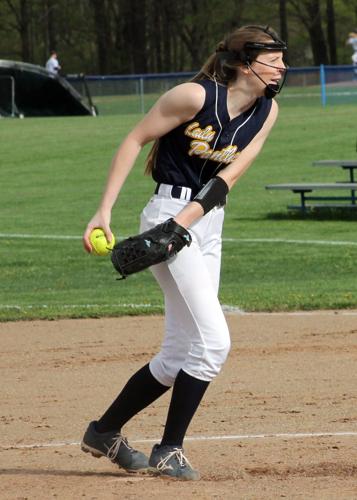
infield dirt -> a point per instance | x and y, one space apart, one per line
290 374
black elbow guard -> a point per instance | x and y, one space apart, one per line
212 194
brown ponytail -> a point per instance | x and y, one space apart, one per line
223 63
151 158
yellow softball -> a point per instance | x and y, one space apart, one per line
99 242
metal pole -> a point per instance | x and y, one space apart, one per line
12 92
142 103
323 85
12 96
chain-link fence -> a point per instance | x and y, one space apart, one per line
319 86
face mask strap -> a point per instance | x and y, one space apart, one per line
270 90
275 45
285 68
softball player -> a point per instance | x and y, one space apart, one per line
352 40
207 132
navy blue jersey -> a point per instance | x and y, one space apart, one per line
197 150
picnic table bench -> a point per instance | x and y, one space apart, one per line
303 188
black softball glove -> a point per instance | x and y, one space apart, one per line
151 247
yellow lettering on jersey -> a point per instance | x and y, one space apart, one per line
194 130
199 148
202 149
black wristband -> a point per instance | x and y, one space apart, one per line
212 194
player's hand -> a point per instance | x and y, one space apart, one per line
155 245
100 220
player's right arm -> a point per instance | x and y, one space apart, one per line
176 106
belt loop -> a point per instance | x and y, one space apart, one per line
173 191
186 193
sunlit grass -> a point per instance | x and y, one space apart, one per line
52 175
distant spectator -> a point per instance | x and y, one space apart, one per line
52 65
352 40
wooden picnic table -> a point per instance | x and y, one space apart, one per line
349 165
307 187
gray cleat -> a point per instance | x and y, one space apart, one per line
114 446
170 461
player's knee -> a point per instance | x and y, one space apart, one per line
205 361
165 372
225 349
217 355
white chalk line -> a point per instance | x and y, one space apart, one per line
39 236
19 307
238 437
229 309
226 308
76 306
229 240
294 242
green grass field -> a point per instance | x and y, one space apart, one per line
52 175
132 103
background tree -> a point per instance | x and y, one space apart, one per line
103 35
331 31
20 14
283 21
139 36
309 14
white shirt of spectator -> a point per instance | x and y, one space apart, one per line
353 41
52 65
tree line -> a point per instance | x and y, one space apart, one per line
150 36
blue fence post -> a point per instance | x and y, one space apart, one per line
323 84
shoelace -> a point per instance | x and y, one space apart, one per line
178 454
114 448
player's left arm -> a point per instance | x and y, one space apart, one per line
234 170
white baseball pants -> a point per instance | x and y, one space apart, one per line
197 338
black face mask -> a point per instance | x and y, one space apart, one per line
276 45
245 57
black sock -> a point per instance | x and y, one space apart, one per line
140 391
186 397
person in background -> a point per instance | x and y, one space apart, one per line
52 65
352 40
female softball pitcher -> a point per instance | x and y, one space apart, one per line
207 133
